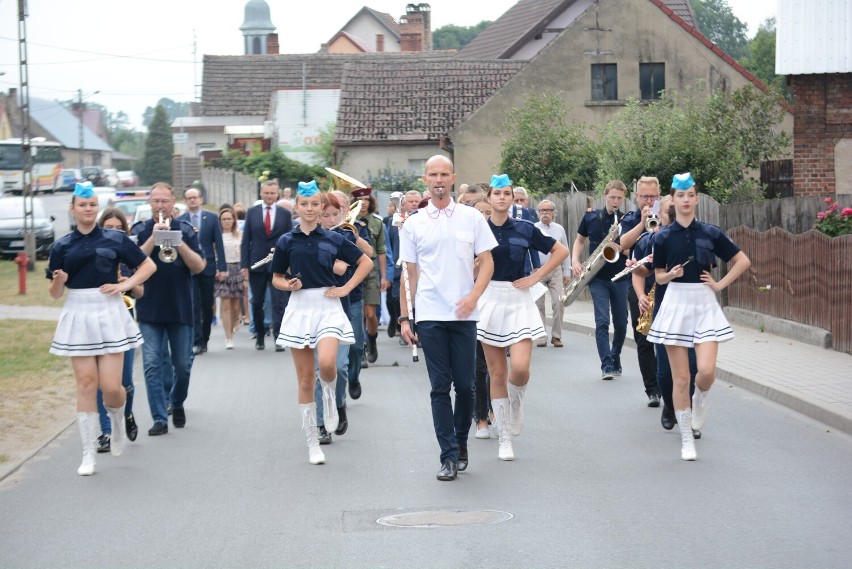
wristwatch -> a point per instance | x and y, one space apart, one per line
402 319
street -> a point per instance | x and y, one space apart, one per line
596 481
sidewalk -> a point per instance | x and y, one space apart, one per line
814 381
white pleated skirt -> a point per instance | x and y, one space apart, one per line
93 324
689 315
507 315
310 316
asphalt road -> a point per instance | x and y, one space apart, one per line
596 483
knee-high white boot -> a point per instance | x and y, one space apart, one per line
118 437
515 421
684 421
330 418
89 430
309 426
501 413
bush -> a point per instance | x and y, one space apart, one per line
833 223
387 180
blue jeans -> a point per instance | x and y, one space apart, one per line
179 338
450 351
356 350
664 373
127 383
342 374
608 296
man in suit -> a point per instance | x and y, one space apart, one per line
265 223
209 232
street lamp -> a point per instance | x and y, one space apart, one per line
80 114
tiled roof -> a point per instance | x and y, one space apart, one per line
525 19
386 19
63 126
414 100
243 84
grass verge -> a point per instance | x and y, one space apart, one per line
36 286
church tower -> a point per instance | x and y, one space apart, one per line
258 30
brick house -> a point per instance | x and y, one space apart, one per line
814 50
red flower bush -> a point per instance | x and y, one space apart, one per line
833 223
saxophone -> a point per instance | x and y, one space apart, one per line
643 325
607 251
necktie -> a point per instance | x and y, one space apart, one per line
267 222
195 221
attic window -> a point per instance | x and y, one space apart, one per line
604 82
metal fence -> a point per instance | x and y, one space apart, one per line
227 186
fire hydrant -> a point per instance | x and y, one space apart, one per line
22 260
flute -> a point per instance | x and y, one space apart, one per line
628 270
264 261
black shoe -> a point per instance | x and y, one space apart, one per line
131 428
354 389
179 418
449 471
204 349
197 350
372 351
342 422
324 436
258 345
463 458
158 429
667 419
253 335
653 400
391 330
696 434
103 443
279 348
616 365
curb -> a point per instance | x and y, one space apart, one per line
12 468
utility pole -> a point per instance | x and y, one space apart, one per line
80 127
26 148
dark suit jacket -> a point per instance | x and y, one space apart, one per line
210 239
256 245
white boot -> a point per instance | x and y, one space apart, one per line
699 408
89 430
329 405
118 437
501 410
309 426
684 421
516 409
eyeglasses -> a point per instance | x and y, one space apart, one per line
545 211
648 197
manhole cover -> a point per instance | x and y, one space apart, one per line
444 518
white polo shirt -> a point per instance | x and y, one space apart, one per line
443 243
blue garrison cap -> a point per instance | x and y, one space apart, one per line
307 189
500 181
683 181
83 190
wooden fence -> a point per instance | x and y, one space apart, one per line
227 186
805 278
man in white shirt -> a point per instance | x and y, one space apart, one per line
439 245
555 281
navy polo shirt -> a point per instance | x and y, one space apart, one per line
344 278
642 249
702 241
514 238
312 256
168 293
594 226
93 259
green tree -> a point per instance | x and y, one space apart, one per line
173 111
157 163
325 150
389 180
719 139
719 24
456 37
760 57
542 151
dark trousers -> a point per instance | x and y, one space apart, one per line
664 374
644 348
482 386
450 351
392 302
202 307
608 296
259 281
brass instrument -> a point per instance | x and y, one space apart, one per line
652 222
607 252
643 325
343 182
167 252
129 301
348 222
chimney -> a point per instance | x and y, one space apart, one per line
272 44
380 43
418 20
410 42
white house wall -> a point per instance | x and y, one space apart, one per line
365 28
814 36
362 161
300 116
561 22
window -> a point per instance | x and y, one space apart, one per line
604 82
652 80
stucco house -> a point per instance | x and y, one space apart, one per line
602 53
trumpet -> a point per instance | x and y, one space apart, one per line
348 222
652 222
628 270
167 252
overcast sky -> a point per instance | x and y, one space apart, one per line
135 52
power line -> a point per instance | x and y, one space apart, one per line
105 55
